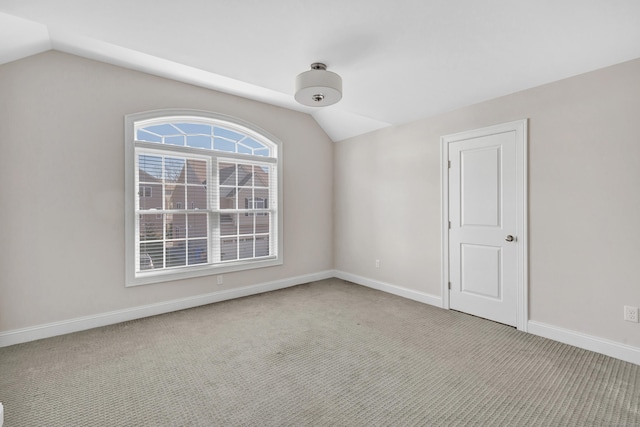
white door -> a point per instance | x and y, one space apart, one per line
486 210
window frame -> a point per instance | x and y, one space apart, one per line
143 277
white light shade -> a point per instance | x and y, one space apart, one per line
318 87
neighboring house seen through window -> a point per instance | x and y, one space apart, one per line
207 199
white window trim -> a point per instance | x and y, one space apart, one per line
142 278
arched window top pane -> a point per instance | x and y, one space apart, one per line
204 133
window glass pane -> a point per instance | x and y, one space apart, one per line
262 223
174 170
176 254
261 176
261 196
151 255
175 228
149 168
196 197
226 133
245 175
197 225
226 174
227 197
224 145
244 150
175 197
245 247
197 251
246 201
228 224
199 141
262 246
168 195
228 249
245 198
174 140
252 143
163 130
261 152
194 128
245 225
150 196
143 135
196 171
150 227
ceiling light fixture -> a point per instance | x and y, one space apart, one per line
318 87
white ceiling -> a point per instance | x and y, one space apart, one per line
400 60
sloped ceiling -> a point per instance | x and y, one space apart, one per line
400 61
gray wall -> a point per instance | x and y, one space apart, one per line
584 196
62 187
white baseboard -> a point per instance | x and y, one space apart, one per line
389 288
48 330
587 342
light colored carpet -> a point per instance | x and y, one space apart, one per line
320 354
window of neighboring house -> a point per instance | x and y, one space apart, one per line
145 191
208 196
257 204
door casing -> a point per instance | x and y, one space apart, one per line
521 129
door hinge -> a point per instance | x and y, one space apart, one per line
449 164
449 225
449 285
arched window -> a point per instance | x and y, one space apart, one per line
202 196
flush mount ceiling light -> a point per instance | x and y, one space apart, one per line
318 87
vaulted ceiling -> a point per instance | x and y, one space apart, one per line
400 60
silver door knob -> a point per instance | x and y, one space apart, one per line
509 238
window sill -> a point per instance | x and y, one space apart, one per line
148 278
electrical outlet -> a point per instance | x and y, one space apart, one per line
377 263
220 280
631 314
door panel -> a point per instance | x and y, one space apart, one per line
481 271
480 187
483 267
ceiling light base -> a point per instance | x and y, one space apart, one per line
318 87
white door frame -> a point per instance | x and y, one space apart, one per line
521 129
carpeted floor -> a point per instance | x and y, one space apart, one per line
320 354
